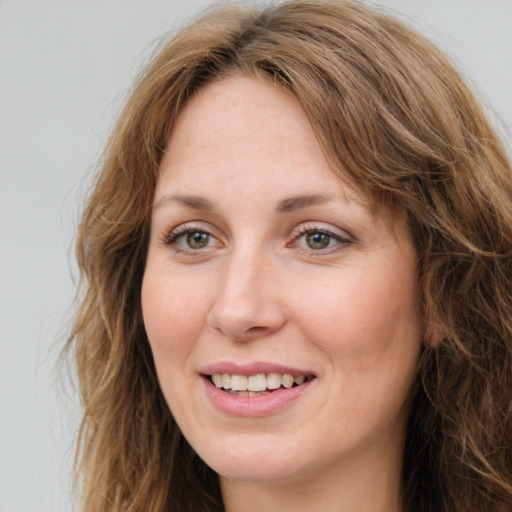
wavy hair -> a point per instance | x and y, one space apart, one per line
390 110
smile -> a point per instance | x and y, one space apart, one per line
257 385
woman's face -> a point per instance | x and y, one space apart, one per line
265 271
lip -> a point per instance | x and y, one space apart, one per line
253 406
251 369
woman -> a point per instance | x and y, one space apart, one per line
297 271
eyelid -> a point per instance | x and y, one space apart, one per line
307 227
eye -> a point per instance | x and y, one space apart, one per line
319 240
185 238
197 239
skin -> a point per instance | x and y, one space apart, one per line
260 291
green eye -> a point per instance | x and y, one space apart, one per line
316 240
197 239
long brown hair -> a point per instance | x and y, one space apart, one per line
388 109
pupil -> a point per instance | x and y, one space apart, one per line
197 240
317 240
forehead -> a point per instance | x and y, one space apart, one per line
244 115
242 127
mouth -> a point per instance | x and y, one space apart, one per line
256 385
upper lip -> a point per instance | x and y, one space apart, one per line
251 369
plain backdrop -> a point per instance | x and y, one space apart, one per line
65 67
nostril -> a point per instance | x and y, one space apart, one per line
256 329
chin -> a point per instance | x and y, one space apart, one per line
256 461
257 471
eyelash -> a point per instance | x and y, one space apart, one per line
174 236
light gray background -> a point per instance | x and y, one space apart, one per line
64 69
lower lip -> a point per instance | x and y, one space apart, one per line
261 405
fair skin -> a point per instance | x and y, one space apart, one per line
262 261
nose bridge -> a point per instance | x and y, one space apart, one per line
246 305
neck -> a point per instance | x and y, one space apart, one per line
360 485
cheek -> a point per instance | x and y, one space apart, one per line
369 329
173 320
363 318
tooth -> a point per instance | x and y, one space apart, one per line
226 381
299 380
253 393
257 382
273 380
243 393
239 382
287 380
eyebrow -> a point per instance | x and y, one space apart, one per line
192 202
298 202
201 203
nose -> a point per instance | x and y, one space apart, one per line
246 305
